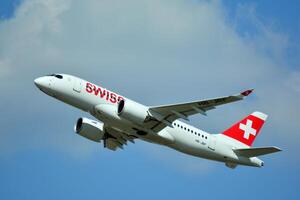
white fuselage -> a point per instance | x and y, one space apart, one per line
180 136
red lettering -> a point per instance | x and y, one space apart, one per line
120 98
102 94
107 95
113 98
97 90
88 87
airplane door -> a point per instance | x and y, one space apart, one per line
212 142
77 85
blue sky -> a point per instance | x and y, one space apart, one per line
155 52
278 14
7 8
281 13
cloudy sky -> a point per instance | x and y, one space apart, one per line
155 52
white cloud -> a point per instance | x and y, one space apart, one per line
4 68
265 34
294 81
179 50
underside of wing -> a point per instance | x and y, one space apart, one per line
115 139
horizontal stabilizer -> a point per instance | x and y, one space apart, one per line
253 152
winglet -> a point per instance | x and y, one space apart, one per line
247 92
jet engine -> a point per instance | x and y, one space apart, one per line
132 111
90 129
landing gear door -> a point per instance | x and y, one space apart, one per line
77 85
212 142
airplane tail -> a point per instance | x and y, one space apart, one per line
246 130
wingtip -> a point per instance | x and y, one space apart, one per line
277 148
247 92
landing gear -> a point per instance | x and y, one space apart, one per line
105 137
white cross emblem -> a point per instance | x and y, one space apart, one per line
247 128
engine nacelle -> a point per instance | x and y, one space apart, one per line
132 111
90 129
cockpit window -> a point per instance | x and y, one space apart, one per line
57 76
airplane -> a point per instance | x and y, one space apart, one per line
121 120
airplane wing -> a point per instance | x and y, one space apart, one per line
166 114
115 139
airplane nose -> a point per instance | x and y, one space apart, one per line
38 82
41 83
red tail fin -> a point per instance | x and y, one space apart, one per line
247 129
